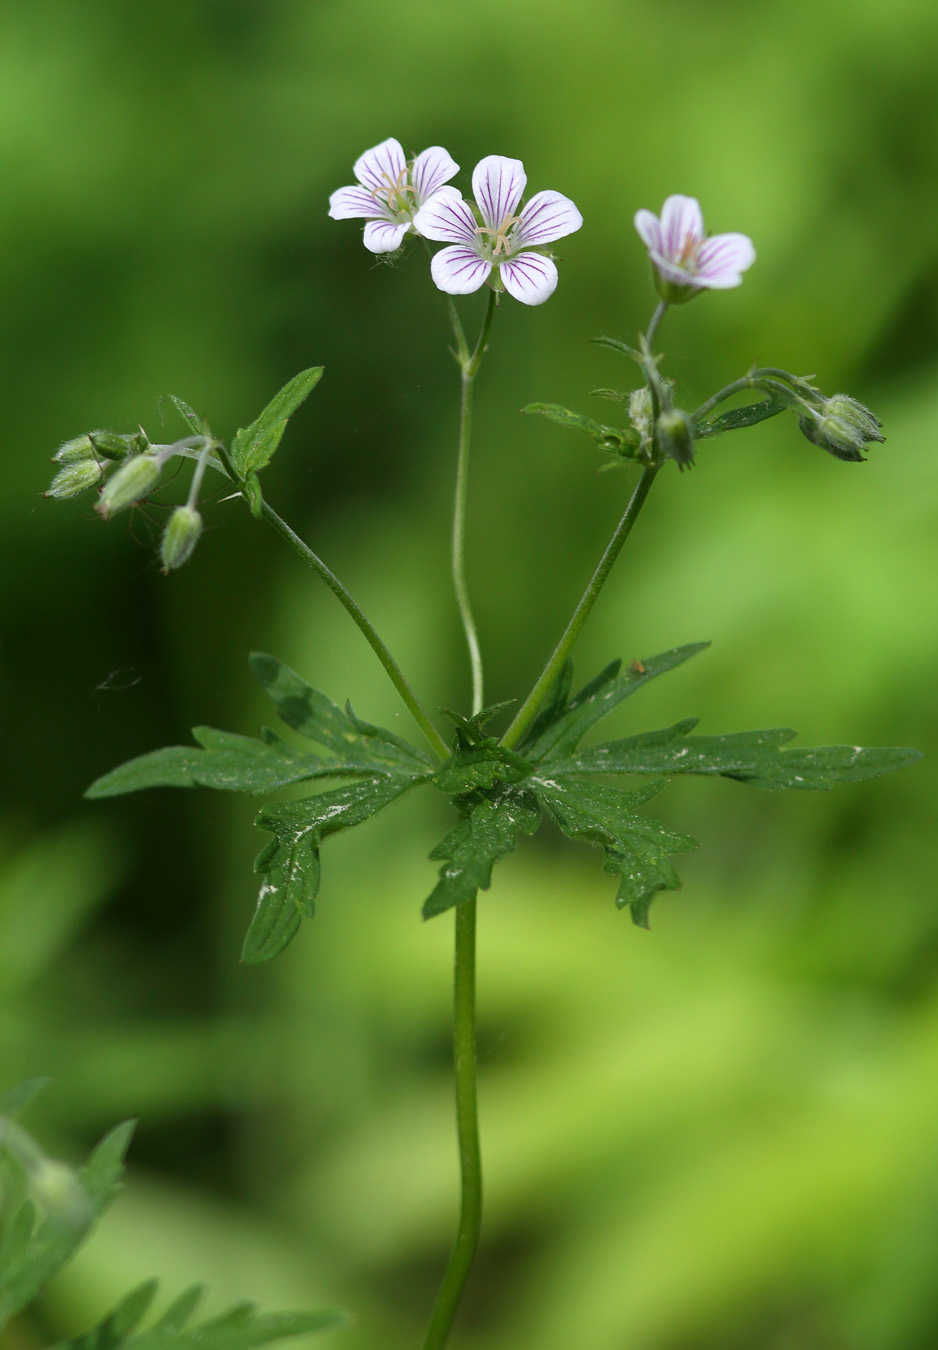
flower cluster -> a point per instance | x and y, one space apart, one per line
493 239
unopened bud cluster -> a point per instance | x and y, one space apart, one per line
127 469
842 426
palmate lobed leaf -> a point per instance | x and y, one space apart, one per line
488 831
760 758
637 848
564 723
241 1328
290 862
227 762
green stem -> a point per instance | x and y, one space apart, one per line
366 626
529 709
736 387
470 368
655 320
467 1126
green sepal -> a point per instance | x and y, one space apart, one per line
622 441
290 862
636 847
196 424
571 720
240 1328
487 832
737 418
253 447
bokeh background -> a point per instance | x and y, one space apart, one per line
722 1133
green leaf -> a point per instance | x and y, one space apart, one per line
488 831
254 446
31 1253
615 345
617 440
756 757
193 421
636 847
227 762
738 418
241 1328
290 862
479 765
598 698
312 714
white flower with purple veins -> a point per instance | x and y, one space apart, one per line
685 260
500 238
390 191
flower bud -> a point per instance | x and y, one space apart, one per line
180 537
675 436
842 426
132 481
111 445
71 452
61 1194
72 479
640 411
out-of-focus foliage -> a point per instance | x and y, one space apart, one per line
720 1134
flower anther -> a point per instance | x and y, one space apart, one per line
390 191
685 261
496 236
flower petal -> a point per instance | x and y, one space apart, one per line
722 259
383 236
547 216
530 278
681 219
458 270
381 166
432 168
448 218
649 228
497 185
356 203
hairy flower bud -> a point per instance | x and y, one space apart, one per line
675 436
74 478
842 426
112 445
180 537
132 481
71 452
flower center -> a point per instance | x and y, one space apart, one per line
499 242
687 258
395 195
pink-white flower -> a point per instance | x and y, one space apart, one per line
390 191
685 260
500 243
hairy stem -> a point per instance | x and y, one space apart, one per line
470 368
364 623
529 709
467 1127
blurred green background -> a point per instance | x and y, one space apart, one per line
723 1133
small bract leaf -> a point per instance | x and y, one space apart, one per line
254 446
196 424
617 440
738 418
15 1101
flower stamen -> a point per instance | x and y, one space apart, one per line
500 241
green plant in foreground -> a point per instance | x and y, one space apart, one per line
501 786
47 1210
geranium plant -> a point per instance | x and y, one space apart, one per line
503 773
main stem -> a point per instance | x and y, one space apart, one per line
366 626
529 709
465 1064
